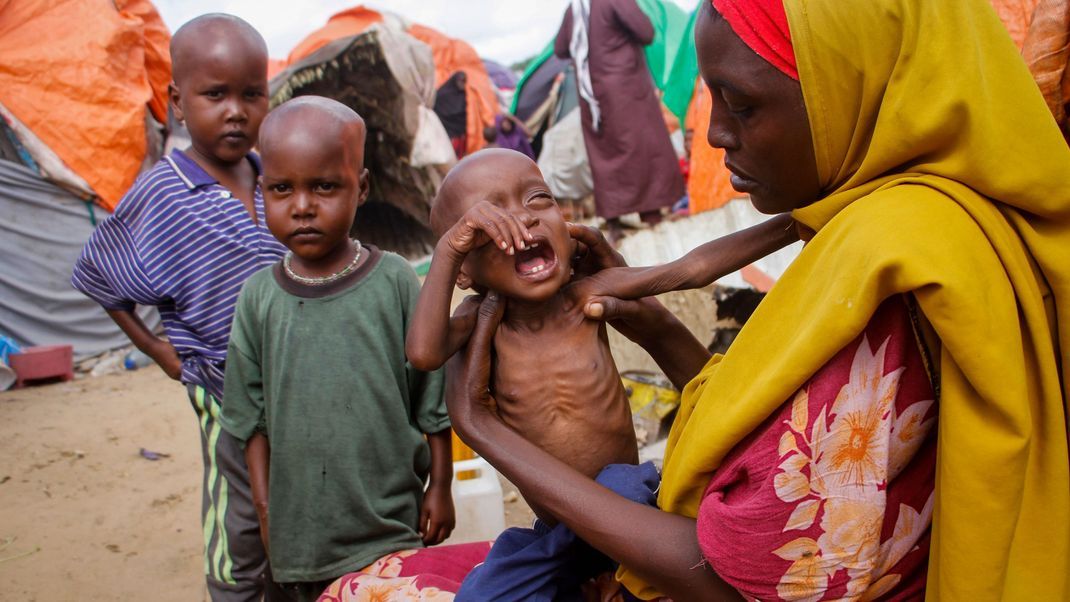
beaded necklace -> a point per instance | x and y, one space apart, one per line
321 280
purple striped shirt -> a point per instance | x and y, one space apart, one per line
181 241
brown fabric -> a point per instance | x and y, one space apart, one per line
632 160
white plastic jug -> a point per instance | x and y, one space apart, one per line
477 502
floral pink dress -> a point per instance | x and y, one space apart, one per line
831 498
427 575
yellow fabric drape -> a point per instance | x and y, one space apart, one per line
945 178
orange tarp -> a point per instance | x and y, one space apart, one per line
708 185
82 75
349 22
450 56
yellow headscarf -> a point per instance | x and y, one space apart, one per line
948 180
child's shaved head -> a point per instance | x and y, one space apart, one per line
330 121
214 34
468 179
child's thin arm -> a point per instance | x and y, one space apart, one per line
431 341
258 458
427 344
437 515
698 268
161 352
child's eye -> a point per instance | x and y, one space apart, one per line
214 94
542 200
279 188
254 94
326 186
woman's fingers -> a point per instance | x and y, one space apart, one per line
599 253
479 347
610 308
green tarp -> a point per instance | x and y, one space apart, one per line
671 56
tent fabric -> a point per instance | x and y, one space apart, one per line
708 185
672 43
349 22
670 57
450 55
94 119
44 230
1047 52
500 75
388 77
563 160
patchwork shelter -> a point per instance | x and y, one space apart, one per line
388 76
80 117
449 56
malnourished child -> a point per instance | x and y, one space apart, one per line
554 379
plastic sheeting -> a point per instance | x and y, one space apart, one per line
41 236
82 76
388 77
563 160
450 55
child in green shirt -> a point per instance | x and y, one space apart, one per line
317 384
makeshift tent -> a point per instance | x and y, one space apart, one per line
80 83
500 75
42 233
563 160
388 77
450 55
79 119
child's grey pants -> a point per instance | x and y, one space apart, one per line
235 564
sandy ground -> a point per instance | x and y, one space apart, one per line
82 515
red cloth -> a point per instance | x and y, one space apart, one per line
762 25
429 574
831 498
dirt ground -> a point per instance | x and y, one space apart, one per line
83 516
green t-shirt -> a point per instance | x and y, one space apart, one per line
326 380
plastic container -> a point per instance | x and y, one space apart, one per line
136 359
477 502
40 363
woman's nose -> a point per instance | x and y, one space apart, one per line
720 133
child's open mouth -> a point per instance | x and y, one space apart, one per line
537 262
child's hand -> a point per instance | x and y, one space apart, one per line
437 518
485 223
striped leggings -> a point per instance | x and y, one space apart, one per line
235 564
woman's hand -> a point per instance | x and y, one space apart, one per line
645 321
468 397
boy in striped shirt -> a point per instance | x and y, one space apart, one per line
184 239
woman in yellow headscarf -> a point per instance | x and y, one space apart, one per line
893 417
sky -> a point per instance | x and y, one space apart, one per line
506 31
